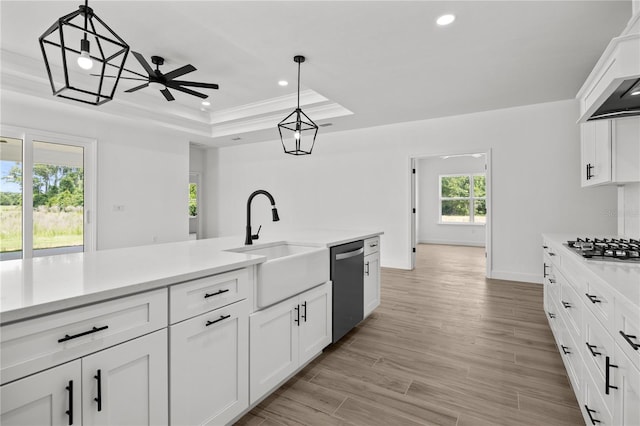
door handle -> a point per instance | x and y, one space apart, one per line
347 255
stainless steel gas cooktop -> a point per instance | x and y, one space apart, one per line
613 249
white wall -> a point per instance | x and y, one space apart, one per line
630 197
142 168
428 171
361 179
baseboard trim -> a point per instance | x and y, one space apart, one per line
516 276
452 243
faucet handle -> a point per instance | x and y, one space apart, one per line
257 234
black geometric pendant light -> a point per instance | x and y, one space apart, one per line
297 131
76 44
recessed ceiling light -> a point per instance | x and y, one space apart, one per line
446 19
206 103
283 83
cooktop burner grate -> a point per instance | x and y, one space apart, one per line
615 249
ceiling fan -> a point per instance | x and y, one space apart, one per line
156 79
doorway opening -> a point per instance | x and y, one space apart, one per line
451 204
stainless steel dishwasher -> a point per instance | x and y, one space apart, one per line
347 265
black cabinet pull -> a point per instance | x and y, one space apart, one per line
551 253
544 270
594 299
545 247
69 412
607 376
552 281
591 349
222 318
566 305
552 315
297 319
589 411
565 350
589 167
93 330
304 317
98 399
628 338
207 295
366 271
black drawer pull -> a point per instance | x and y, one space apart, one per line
566 305
545 247
551 253
552 315
628 338
304 317
222 318
93 330
591 349
565 350
607 377
589 411
297 320
552 281
69 412
98 399
594 299
544 270
216 293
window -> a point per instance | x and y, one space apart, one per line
193 200
46 194
463 199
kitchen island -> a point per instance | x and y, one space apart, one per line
155 334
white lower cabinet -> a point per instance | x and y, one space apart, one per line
626 379
123 385
371 283
210 366
51 397
286 336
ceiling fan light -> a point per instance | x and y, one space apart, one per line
157 85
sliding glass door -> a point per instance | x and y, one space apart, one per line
47 195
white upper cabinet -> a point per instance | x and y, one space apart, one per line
610 151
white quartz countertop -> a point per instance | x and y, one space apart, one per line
49 284
624 277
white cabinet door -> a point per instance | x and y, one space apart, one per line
273 352
596 152
371 282
51 397
315 321
127 384
627 395
210 366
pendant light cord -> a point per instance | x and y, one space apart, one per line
86 17
298 84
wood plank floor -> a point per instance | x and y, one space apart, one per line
445 347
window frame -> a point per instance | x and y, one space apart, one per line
29 136
471 199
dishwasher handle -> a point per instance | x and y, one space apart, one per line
347 255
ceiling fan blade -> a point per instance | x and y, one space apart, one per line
185 90
167 95
196 84
180 71
125 78
144 63
133 89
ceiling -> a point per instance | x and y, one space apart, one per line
368 63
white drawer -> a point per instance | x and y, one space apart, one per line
571 307
202 295
371 245
570 353
598 344
598 298
36 344
626 330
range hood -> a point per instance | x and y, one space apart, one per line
623 102
612 90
